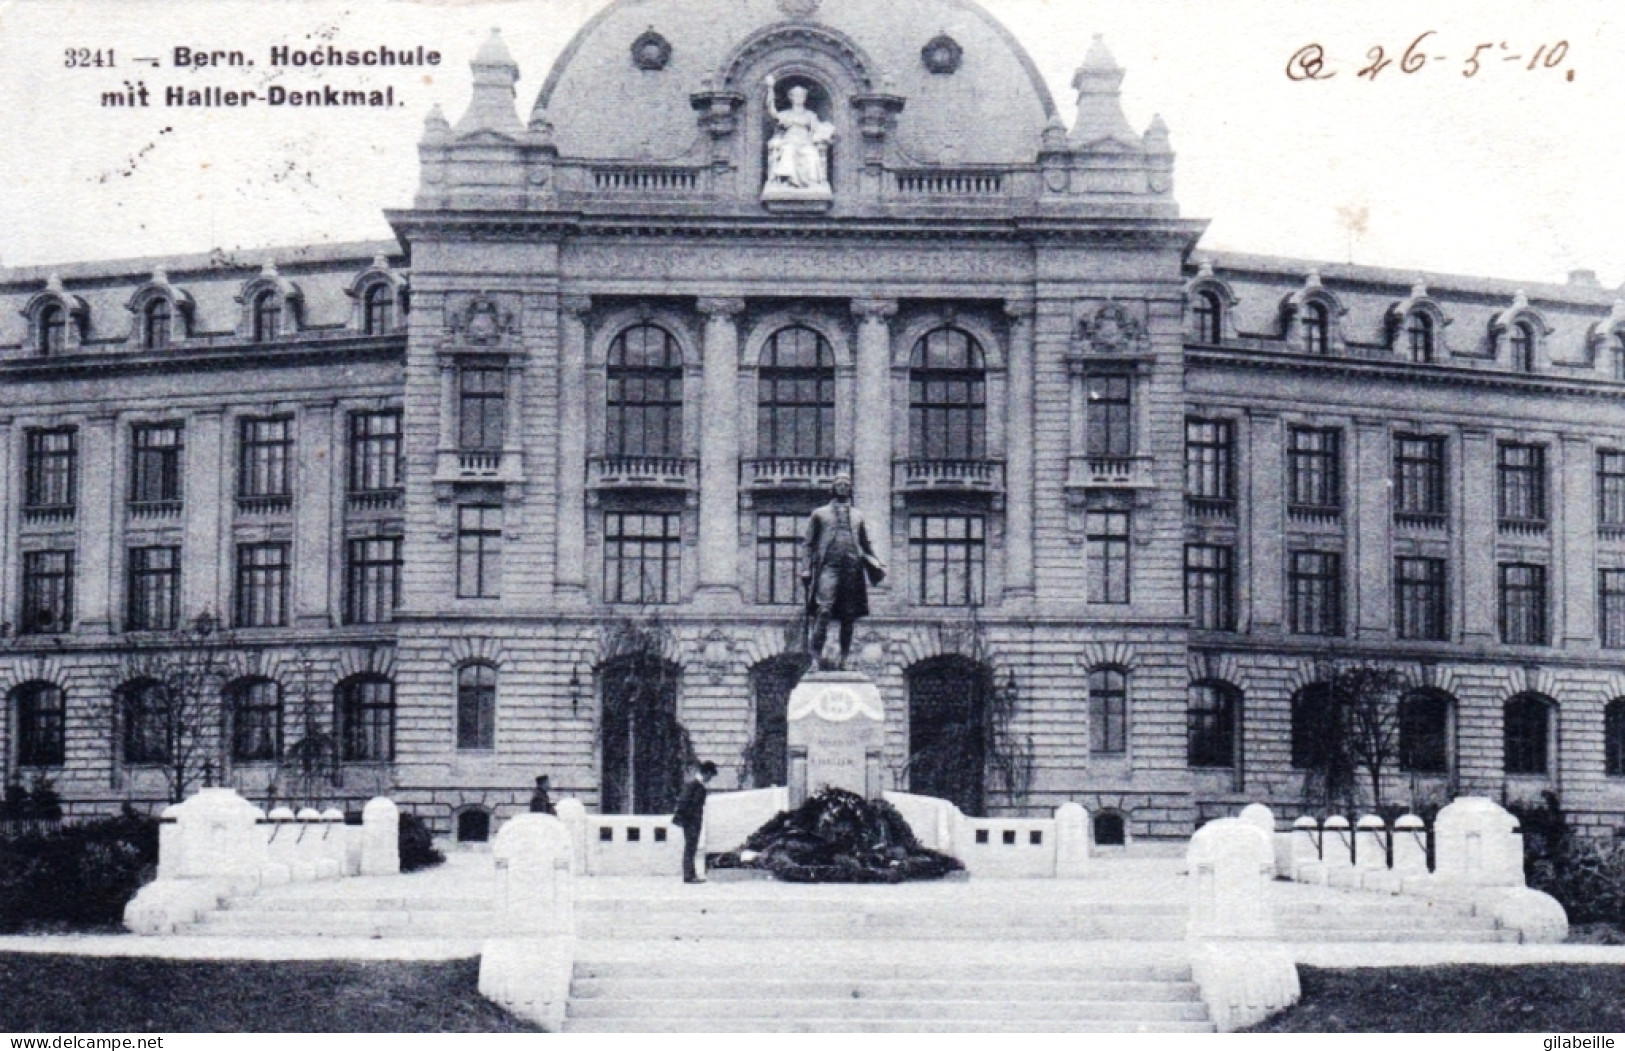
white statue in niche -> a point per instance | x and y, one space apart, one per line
798 153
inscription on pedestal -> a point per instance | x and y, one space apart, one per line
835 735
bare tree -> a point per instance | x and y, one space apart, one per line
1352 727
308 768
170 708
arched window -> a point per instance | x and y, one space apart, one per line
1424 731
366 711
947 730
476 707
156 320
795 402
771 682
267 316
1527 721
145 711
53 329
1213 721
1108 711
41 714
1316 322
1419 336
645 394
1523 346
1315 729
377 309
1109 829
644 746
1614 737
256 720
947 400
1209 318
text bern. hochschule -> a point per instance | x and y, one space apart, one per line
284 56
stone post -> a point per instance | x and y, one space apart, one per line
380 838
1071 841
1243 973
1337 852
1018 507
719 451
527 969
1410 853
1477 844
570 570
872 437
1262 818
1371 855
574 816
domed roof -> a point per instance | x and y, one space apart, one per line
605 102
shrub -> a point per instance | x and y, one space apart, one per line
78 877
416 844
1588 878
38 802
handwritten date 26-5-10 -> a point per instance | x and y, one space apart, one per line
1311 61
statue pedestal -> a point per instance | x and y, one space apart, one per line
836 735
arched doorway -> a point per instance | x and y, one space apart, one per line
947 730
770 684
643 745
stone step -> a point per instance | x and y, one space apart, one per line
1014 990
786 1024
306 903
376 924
795 928
850 1010
870 961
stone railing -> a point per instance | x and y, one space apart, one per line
956 184
143 510
646 180
791 473
643 472
1007 848
1477 858
217 844
1109 472
924 476
374 499
479 465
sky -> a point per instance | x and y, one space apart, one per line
1512 172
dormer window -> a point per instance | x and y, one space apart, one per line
267 316
1523 346
1419 337
378 309
155 324
53 330
1316 323
1209 318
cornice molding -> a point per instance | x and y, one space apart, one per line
219 358
1402 372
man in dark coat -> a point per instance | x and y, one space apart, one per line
840 564
541 800
690 815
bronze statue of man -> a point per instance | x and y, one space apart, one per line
840 565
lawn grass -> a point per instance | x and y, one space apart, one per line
49 993
1552 998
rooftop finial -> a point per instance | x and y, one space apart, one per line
1100 107
491 106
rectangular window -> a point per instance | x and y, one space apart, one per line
642 557
1314 468
1210 459
948 556
1419 598
1107 533
52 469
778 559
1210 587
262 585
1523 604
1419 476
1611 608
372 579
265 452
47 593
1521 483
1611 489
375 451
155 463
1108 418
481 405
1315 591
1108 712
479 551
153 598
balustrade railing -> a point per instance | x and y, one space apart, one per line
646 180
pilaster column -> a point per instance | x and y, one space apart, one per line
1574 526
1371 529
1266 502
9 611
872 438
206 487
1018 506
719 449
313 525
513 405
1475 510
570 572
448 403
94 517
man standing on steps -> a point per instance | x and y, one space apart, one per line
690 815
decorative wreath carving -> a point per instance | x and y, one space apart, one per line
651 51
942 55
482 322
1112 330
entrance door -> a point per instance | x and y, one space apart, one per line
947 731
771 682
644 746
